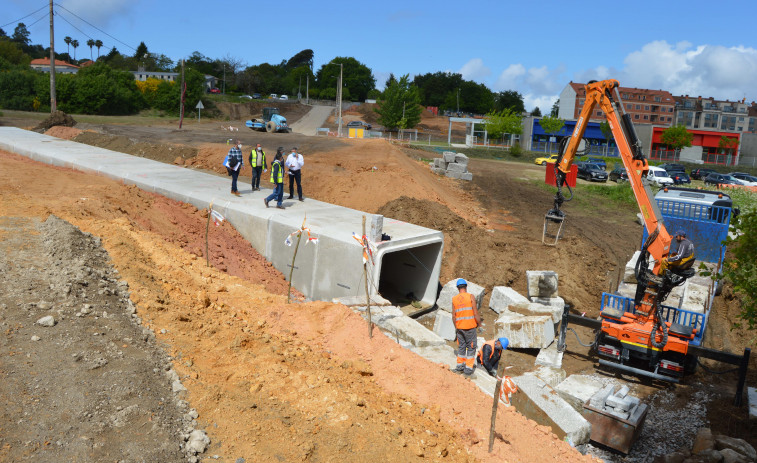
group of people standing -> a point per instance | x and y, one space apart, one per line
292 166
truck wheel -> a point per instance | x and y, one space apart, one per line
270 127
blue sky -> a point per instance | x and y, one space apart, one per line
694 47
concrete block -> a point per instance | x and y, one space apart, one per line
439 170
376 228
578 389
622 392
752 401
599 398
350 301
450 290
406 329
694 297
440 163
439 354
550 357
449 156
629 274
538 401
531 308
504 296
380 315
460 158
551 376
541 283
627 290
455 167
443 325
620 404
674 298
453 174
552 301
529 332
637 413
467 176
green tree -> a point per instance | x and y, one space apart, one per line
68 41
439 89
604 126
21 35
90 44
509 99
506 121
536 112
740 269
400 108
303 58
141 52
99 89
75 44
677 137
551 125
98 45
727 144
3 34
13 53
356 77
16 87
555 108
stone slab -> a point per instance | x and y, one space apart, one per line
453 174
531 309
439 170
551 376
578 389
443 325
350 301
504 296
460 158
440 163
627 290
449 156
467 176
552 301
406 329
526 332
538 401
550 357
541 283
694 297
450 290
455 167
599 398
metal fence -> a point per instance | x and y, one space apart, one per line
594 150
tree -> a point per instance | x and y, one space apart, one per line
21 35
536 112
400 108
90 44
356 77
604 126
741 268
439 89
677 137
506 121
727 144
141 52
75 44
509 99
303 58
551 125
68 41
98 45
555 111
12 52
3 34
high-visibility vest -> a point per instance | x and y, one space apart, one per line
481 352
277 170
462 311
254 158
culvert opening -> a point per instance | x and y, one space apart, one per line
406 275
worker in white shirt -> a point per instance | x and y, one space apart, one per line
294 164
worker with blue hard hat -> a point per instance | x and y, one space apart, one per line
490 353
466 319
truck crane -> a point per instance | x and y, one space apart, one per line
636 339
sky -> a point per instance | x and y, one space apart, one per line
696 48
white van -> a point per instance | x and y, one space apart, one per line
659 176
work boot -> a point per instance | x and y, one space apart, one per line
290 197
458 369
302 199
265 201
280 207
469 373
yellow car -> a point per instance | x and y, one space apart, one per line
544 160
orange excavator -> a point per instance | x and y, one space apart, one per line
635 339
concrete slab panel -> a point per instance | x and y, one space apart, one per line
450 290
462 159
694 297
528 332
551 301
439 170
350 301
578 389
533 309
541 283
453 174
449 156
455 167
467 176
504 296
443 325
538 401
409 330
551 376
550 357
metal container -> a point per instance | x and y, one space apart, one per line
612 431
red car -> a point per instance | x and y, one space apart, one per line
215 90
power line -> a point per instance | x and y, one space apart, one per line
44 16
19 20
92 25
70 24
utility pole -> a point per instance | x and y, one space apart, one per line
458 101
181 107
224 79
53 99
307 90
339 94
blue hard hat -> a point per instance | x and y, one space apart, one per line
505 342
680 232
461 282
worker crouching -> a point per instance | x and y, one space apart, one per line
490 353
466 318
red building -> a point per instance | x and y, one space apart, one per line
708 140
643 105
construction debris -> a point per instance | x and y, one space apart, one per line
453 165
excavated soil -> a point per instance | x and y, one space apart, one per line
58 118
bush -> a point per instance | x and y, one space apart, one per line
516 150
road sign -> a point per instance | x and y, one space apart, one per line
199 105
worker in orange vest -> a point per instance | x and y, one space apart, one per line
490 353
466 318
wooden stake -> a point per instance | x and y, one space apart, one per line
207 228
367 294
497 390
291 270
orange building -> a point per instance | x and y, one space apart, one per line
643 105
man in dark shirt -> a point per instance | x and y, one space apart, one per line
490 353
683 258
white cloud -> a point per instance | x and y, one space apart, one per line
509 78
475 70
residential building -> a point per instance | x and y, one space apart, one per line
645 106
711 114
61 67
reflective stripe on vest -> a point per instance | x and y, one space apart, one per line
462 311
254 158
280 170
481 352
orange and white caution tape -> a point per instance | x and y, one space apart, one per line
508 389
310 239
366 245
217 217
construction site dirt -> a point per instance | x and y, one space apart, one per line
302 381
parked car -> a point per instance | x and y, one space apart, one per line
749 180
679 177
619 174
273 96
359 125
256 96
283 97
673 168
597 161
542 161
215 90
700 173
591 172
659 176
246 97
721 179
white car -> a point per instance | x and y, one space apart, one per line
659 176
283 97
744 178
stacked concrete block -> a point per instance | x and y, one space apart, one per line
551 301
450 290
443 325
532 308
503 297
578 389
538 401
527 332
541 283
453 165
618 403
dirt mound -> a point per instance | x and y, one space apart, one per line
66 133
157 151
56 118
